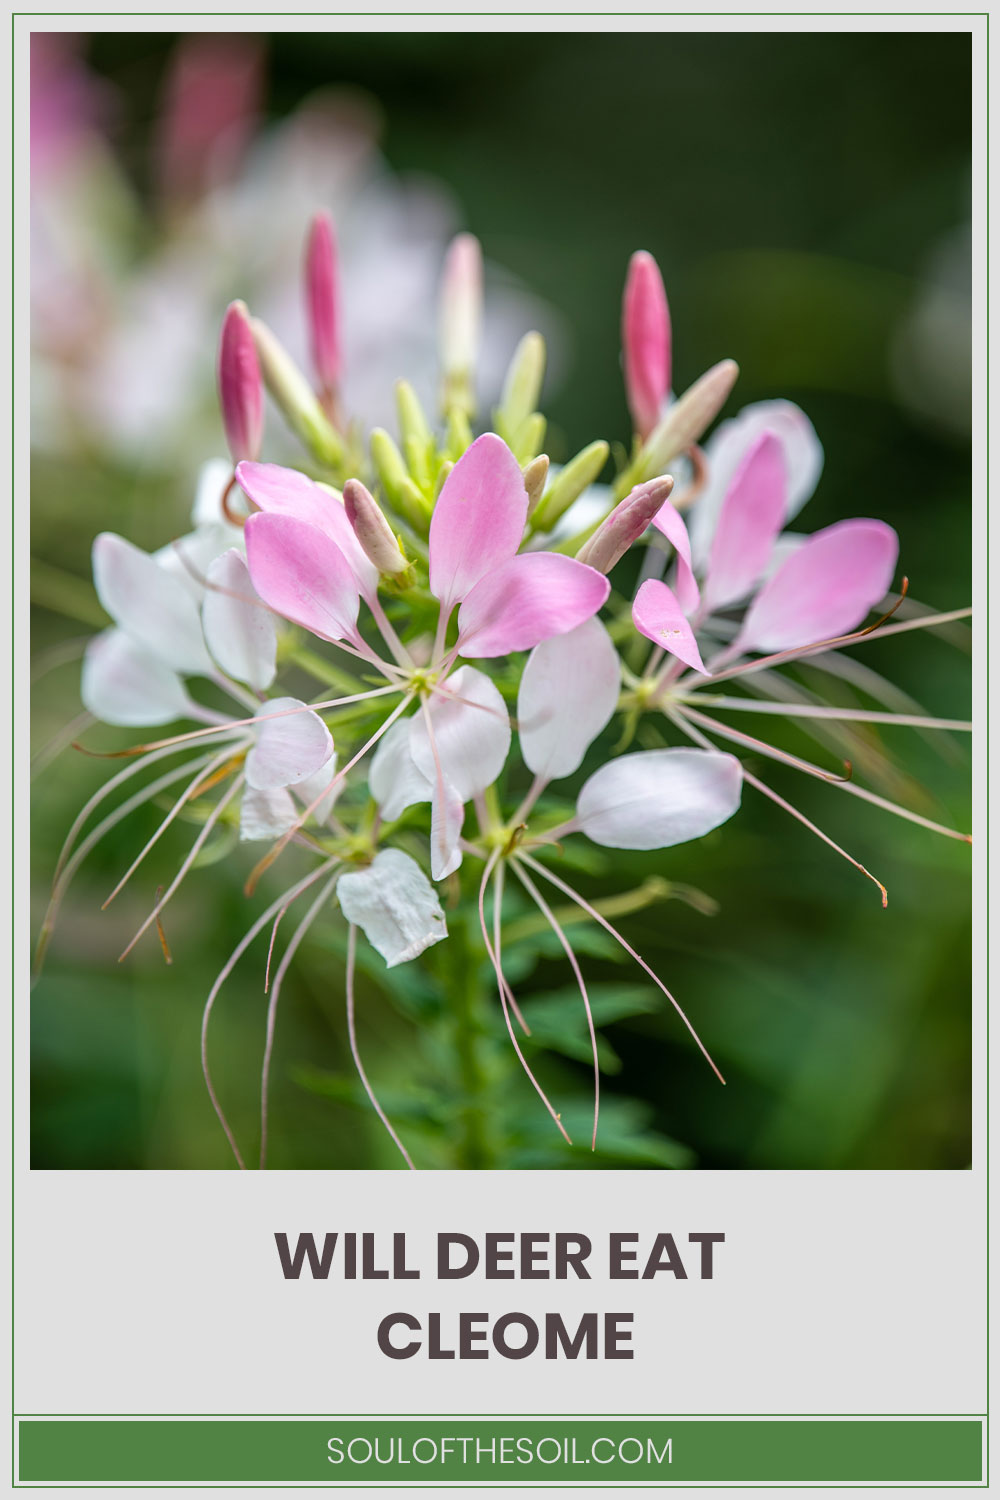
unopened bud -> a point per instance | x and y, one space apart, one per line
373 530
292 394
687 419
523 383
535 474
459 434
460 319
415 433
569 484
402 493
527 441
625 524
322 309
241 393
645 342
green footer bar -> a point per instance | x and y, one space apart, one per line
341 1450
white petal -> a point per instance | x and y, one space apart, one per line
288 747
189 558
471 733
394 904
393 779
123 684
726 449
266 814
213 481
239 628
310 787
569 690
656 798
155 608
447 817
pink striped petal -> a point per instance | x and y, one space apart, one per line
645 342
303 576
824 589
285 492
478 519
670 521
527 600
657 614
753 513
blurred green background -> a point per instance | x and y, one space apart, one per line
807 197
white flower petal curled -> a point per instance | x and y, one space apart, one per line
447 817
393 778
656 798
239 628
288 746
569 690
394 904
124 684
471 734
266 814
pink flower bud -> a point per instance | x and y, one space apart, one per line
645 342
373 530
625 524
241 391
322 313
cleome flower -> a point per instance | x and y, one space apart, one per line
444 591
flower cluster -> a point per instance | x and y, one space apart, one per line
460 582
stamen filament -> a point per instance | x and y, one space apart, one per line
352 943
822 711
592 912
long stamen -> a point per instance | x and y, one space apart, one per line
284 900
231 724
198 784
60 741
751 743
69 866
286 838
797 653
388 634
352 943
550 917
807 823
272 1008
823 711
210 823
592 912
502 987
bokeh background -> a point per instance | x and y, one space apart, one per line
808 198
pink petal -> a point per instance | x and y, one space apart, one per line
526 600
752 515
478 519
285 492
645 342
825 588
657 614
670 521
303 576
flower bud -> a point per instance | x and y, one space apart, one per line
460 319
292 394
373 530
322 312
523 383
687 418
403 494
241 394
569 484
625 524
645 342
535 474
